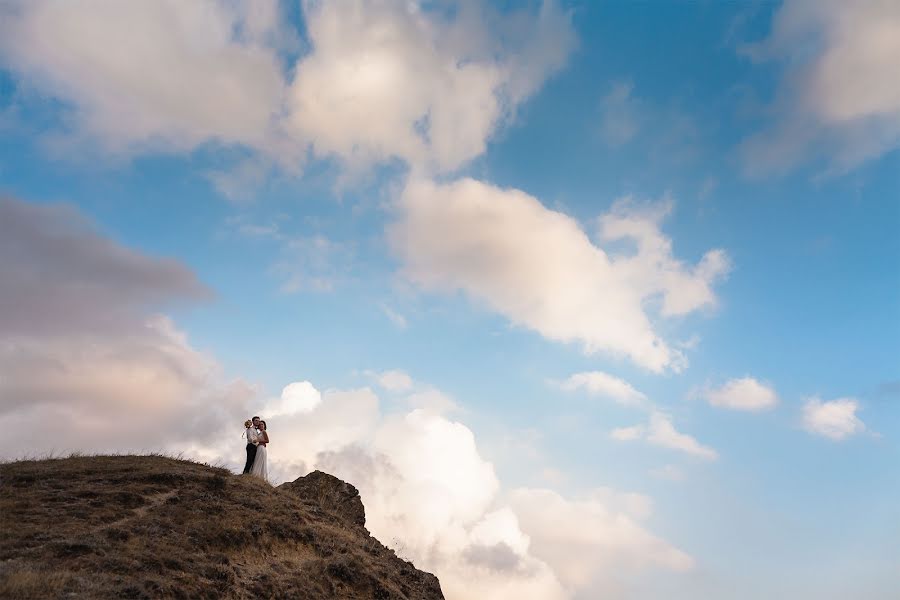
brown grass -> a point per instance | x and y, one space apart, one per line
159 527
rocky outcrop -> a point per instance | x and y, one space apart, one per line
330 495
157 527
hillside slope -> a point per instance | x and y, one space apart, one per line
157 527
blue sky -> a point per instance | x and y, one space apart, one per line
363 189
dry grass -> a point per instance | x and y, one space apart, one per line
24 583
161 527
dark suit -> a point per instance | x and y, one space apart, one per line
251 456
251 453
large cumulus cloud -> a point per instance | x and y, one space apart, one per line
86 360
371 81
431 495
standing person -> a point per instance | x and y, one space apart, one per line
252 434
260 467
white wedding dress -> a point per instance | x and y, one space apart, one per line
260 468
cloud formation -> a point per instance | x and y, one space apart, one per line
296 397
745 393
59 276
460 78
834 419
394 380
84 357
150 76
589 542
540 269
415 395
839 100
603 384
659 431
430 494
173 76
132 382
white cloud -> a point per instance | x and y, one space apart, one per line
590 544
152 75
691 343
653 270
394 380
296 397
428 489
745 393
659 431
839 99
552 476
627 434
604 384
172 76
418 396
834 419
440 462
432 400
458 81
539 268
344 418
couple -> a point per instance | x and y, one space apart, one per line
257 440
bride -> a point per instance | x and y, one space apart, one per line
259 468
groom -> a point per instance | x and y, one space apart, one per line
252 442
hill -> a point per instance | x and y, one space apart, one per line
159 527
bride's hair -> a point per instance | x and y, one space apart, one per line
263 423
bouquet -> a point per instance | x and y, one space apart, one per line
247 423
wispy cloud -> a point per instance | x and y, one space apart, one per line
304 262
659 431
394 317
666 132
667 473
415 395
314 263
603 384
620 114
839 100
394 380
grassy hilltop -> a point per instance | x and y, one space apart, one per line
159 527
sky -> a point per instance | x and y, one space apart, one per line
588 299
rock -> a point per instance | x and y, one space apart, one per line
331 495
